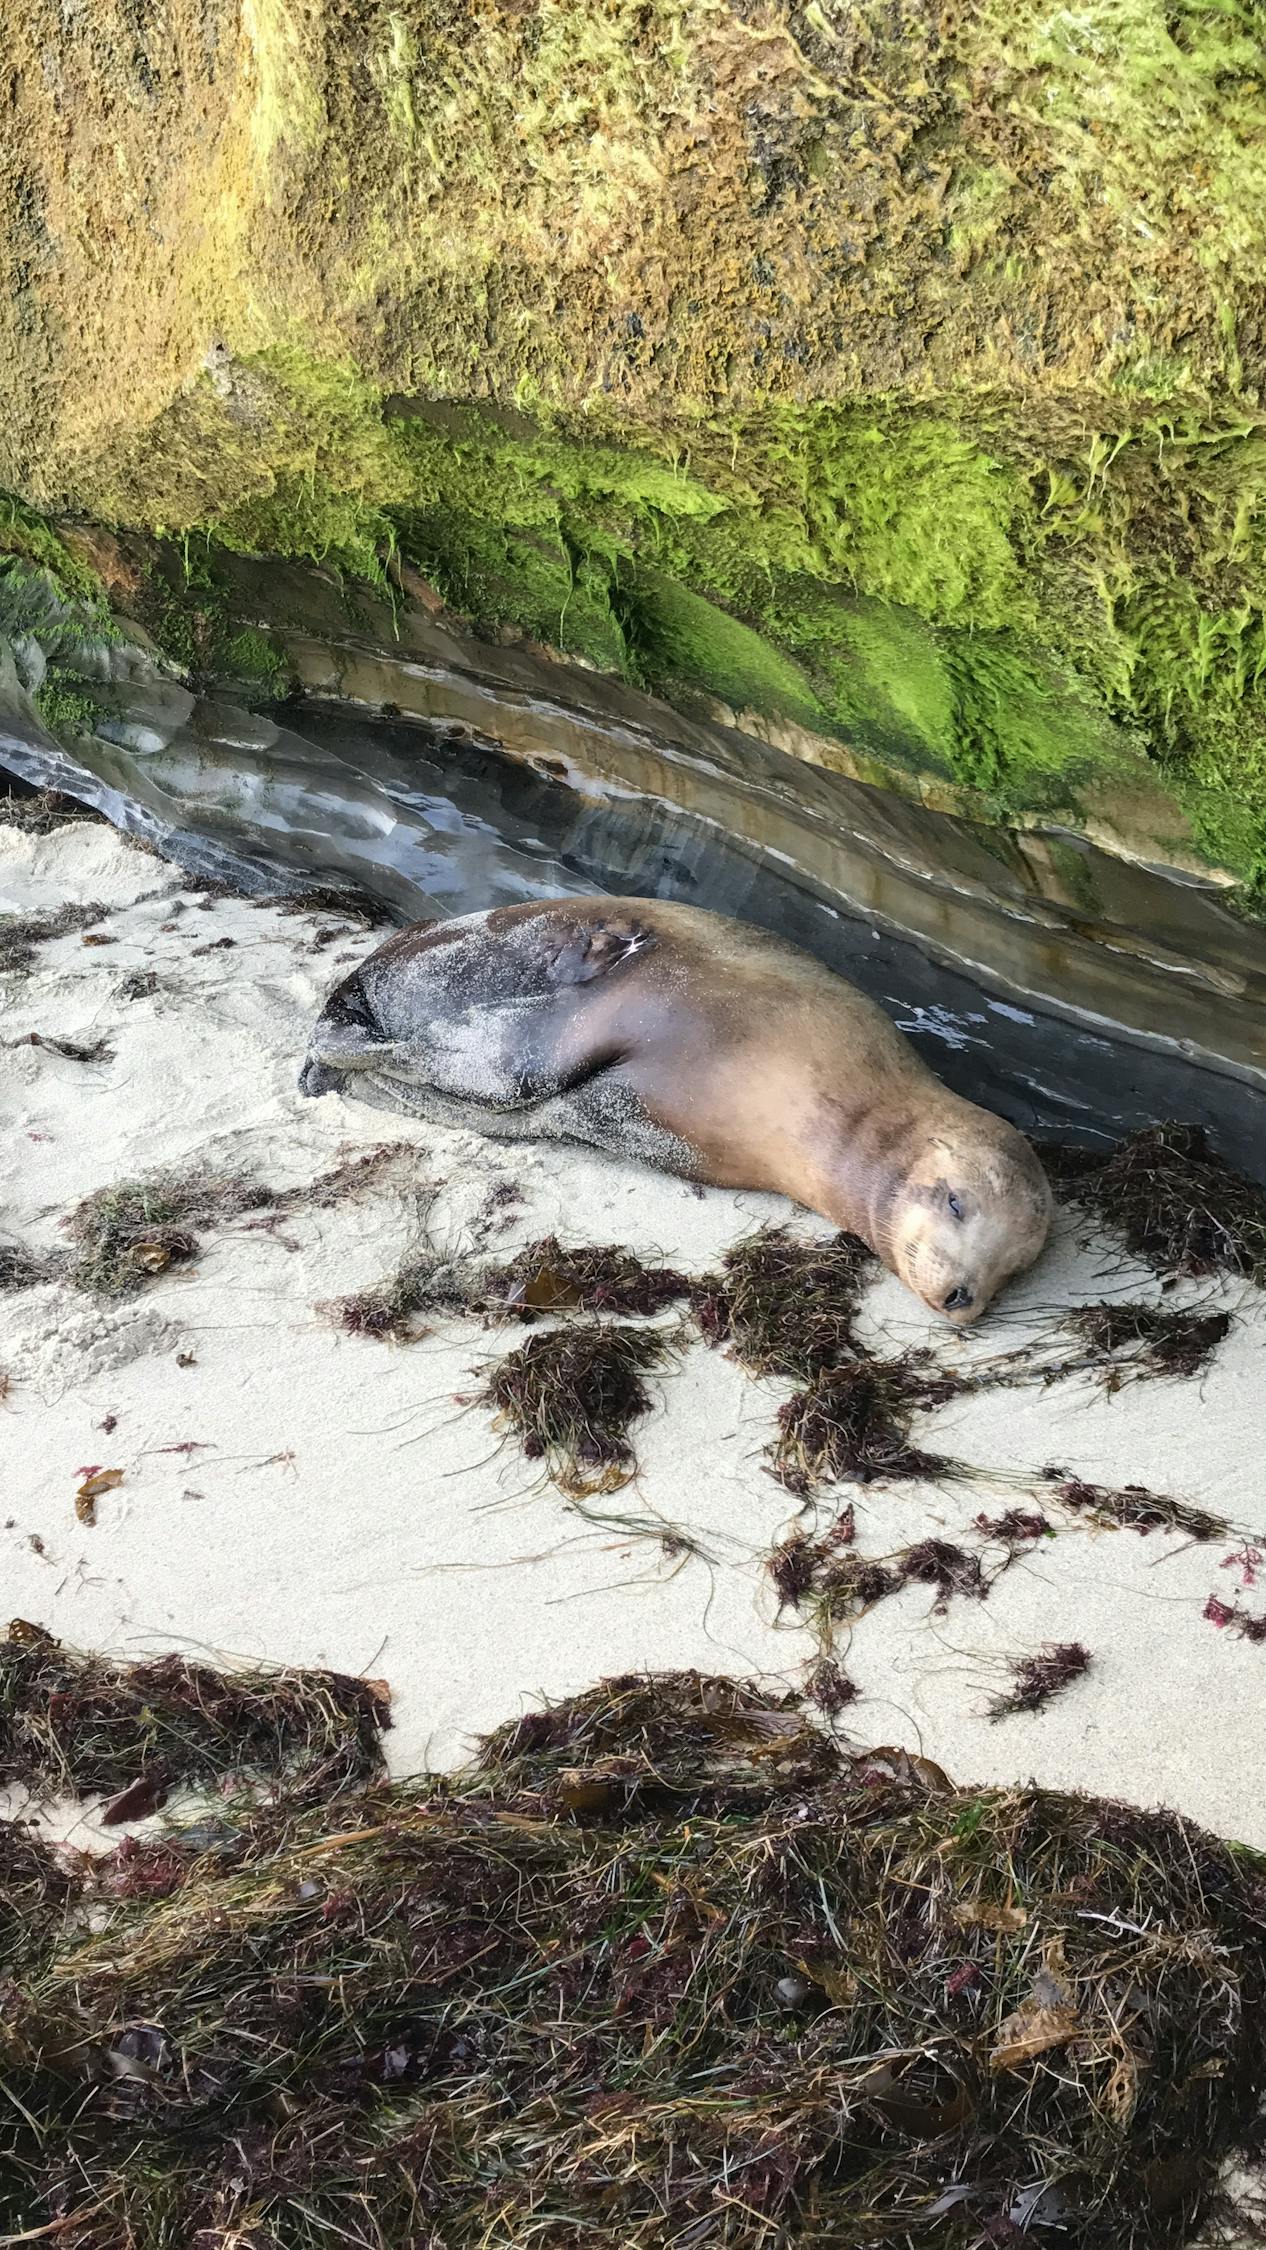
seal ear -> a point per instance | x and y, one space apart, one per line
595 948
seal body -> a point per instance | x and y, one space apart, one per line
702 1046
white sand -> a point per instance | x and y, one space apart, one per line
337 1507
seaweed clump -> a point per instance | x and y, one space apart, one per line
37 812
19 1267
81 1725
785 1304
571 1394
853 1423
657 1971
1133 1507
646 1741
1228 1616
128 1233
544 1277
589 1277
1175 1204
1145 1340
21 933
1036 1679
836 1584
388 1310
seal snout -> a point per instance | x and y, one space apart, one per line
316 1077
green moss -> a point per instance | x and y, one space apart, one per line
946 594
250 655
28 543
63 706
678 641
876 669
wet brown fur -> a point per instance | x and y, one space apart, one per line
767 1069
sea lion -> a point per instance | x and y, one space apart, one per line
705 1047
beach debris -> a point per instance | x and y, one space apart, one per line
592 1277
39 811
139 984
138 1228
70 1050
827 1577
21 933
20 1268
426 1281
1016 1526
1228 1616
1249 1560
282 2017
829 1688
852 1422
545 1277
1174 1203
785 1304
125 1233
81 1725
1036 1679
571 1394
1133 1507
139 1801
1140 1339
93 1482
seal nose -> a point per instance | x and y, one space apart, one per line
317 1078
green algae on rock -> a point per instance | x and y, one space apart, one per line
893 374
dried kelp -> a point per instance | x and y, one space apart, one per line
571 1395
853 1423
79 1725
1174 1203
1036 1679
651 1977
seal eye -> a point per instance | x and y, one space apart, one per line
957 1301
956 1208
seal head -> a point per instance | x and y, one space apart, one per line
973 1211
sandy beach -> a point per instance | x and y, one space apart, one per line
293 1493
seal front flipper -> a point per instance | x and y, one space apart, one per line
338 1049
593 949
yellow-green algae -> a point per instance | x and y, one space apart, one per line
953 602
887 367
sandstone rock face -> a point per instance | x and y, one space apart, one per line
887 372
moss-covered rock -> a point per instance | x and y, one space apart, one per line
888 371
